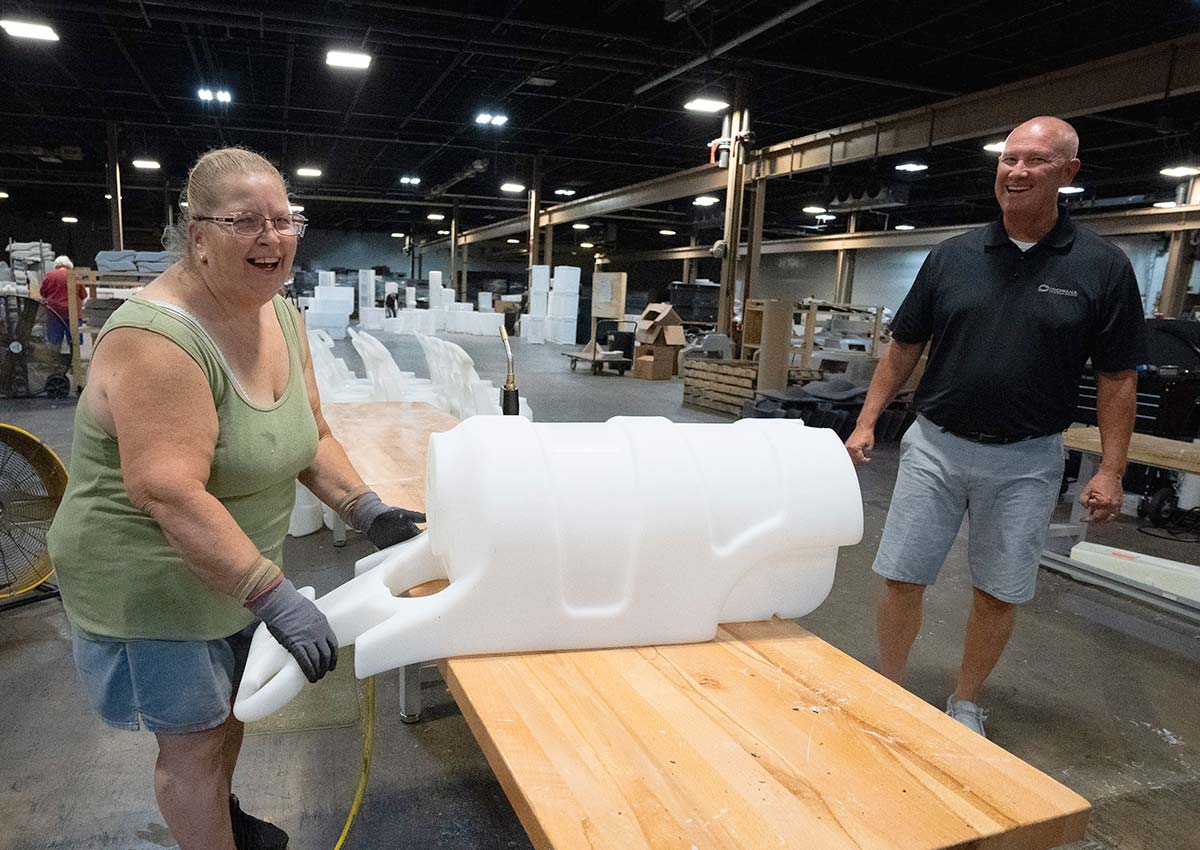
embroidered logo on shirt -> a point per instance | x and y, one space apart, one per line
1054 290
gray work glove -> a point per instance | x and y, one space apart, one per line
299 626
384 525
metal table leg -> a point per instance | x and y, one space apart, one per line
410 693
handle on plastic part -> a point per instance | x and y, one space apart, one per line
272 677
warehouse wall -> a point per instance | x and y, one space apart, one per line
328 249
884 275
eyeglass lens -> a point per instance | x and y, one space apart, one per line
253 224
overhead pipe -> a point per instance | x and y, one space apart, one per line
727 46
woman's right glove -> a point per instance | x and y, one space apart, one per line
299 626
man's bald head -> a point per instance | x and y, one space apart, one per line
1050 130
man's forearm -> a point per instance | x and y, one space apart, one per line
1116 412
890 375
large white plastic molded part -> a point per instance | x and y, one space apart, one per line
629 532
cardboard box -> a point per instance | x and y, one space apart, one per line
650 368
660 325
660 354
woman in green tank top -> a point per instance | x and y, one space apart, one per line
200 413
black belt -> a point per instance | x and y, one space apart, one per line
987 439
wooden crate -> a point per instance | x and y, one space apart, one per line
725 385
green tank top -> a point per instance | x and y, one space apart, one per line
118 575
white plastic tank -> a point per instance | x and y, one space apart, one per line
573 535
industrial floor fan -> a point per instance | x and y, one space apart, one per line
30 364
32 483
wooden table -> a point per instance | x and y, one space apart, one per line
1175 455
765 737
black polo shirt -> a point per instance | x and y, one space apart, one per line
1011 331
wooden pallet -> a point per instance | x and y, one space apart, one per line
725 385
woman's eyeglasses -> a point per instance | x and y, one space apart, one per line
254 224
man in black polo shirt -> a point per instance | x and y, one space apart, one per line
1011 312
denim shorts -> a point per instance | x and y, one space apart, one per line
168 686
1007 491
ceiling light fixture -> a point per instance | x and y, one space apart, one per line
107 197
666 233
511 187
1069 190
410 181
994 147
1162 205
905 227
706 201
513 241
308 171
814 209
23 29
4 195
70 219
183 204
483 118
705 104
436 217
397 235
295 208
147 164
586 245
347 59
443 233
912 166
205 94
826 217
579 225
223 96
566 193
499 120
1180 171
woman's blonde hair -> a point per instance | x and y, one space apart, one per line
206 181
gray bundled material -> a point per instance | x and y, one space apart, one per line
97 310
116 261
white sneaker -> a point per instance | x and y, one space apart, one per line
967 713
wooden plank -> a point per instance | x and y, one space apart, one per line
764 737
1143 448
725 389
716 395
717 378
739 369
710 404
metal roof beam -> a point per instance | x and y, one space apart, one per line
1108 224
1157 72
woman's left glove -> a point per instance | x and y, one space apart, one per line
383 524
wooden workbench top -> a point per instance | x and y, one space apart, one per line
765 737
1153 451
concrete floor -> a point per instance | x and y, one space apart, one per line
1095 690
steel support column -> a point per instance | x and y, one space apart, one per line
115 216
843 289
734 186
1181 257
462 271
535 197
758 205
548 247
453 281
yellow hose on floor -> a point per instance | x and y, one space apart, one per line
365 772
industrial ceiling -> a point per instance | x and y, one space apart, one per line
596 89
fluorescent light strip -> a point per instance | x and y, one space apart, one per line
705 104
706 201
666 233
24 29
566 193
994 147
436 217
147 164
511 187
1069 190
905 227
397 235
814 209
586 245
70 219
912 166
347 59
308 171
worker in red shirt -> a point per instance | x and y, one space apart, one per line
54 296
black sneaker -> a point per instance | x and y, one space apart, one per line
250 833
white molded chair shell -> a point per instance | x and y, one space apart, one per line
751 532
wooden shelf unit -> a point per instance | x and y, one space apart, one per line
807 312
93 280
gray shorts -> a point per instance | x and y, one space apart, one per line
1007 491
168 686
